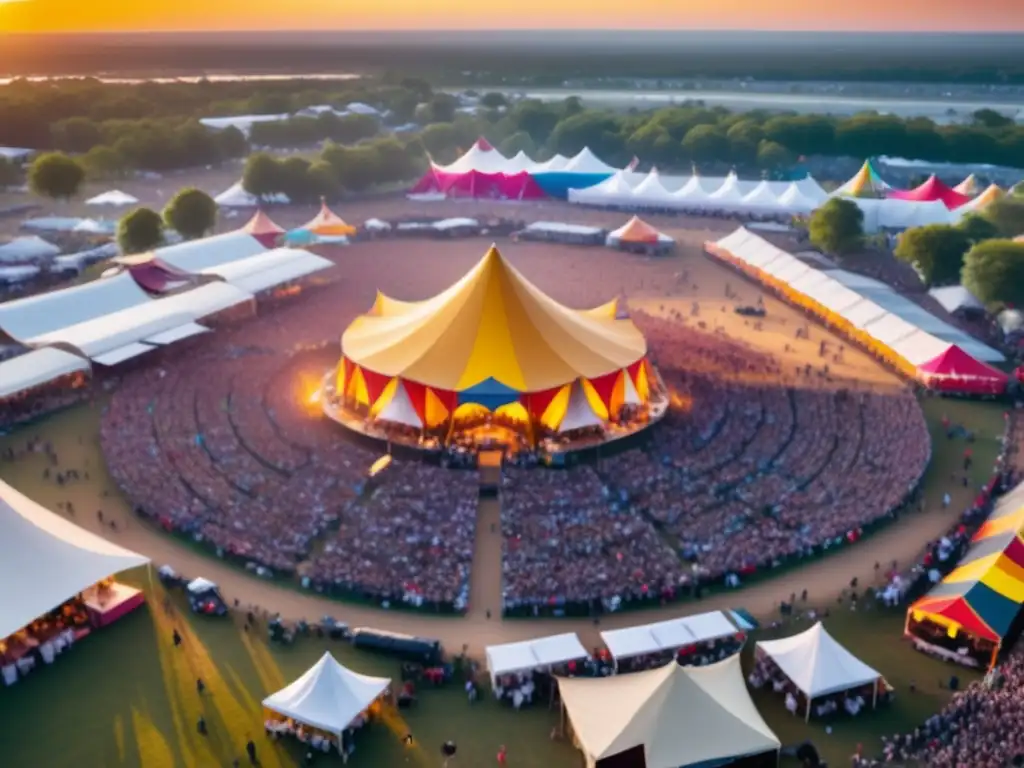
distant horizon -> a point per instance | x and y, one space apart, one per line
696 16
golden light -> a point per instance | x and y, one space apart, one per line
380 465
314 397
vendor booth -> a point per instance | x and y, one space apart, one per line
668 638
819 668
534 655
325 705
670 717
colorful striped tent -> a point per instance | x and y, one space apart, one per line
969 186
865 183
493 340
983 596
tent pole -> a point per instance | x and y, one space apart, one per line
807 717
874 695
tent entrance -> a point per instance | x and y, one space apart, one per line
631 758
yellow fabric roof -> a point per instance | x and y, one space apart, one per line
493 323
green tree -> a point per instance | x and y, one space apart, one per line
493 100
442 108
771 156
977 228
706 144
55 175
994 272
744 138
232 142
357 168
139 231
439 138
103 162
989 118
322 181
519 141
191 212
261 175
837 227
1007 215
535 117
354 128
10 174
936 252
394 163
76 134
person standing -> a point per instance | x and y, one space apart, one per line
250 750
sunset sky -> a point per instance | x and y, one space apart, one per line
244 15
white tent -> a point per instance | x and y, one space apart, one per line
400 409
761 198
235 196
587 162
27 248
46 559
271 269
114 197
521 162
955 297
796 201
817 664
210 252
37 367
556 163
667 635
810 187
650 191
578 413
542 653
695 190
614 190
17 273
679 716
25 319
479 160
729 194
328 696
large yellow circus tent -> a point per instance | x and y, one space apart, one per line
493 338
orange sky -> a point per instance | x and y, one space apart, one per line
167 15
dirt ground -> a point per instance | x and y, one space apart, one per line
658 285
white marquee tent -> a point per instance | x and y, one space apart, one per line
667 635
651 193
614 190
556 163
28 248
730 193
235 196
34 316
586 161
208 252
762 199
328 696
817 664
37 367
270 269
955 298
679 716
795 200
46 559
542 653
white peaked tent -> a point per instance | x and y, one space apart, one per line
810 187
729 193
328 696
46 559
235 196
115 198
400 410
680 716
578 413
761 198
556 163
651 190
795 200
478 159
614 190
521 162
693 190
817 664
587 162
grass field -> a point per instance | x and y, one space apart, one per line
126 697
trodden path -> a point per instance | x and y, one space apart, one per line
485 584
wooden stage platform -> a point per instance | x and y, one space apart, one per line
108 605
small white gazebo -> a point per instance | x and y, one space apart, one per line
115 198
328 697
818 665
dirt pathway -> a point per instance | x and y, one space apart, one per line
486 581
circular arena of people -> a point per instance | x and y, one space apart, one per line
525 439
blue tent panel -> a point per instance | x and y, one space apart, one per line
300 237
558 183
490 393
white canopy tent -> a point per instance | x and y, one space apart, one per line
519 163
614 190
650 191
817 664
28 318
542 653
694 191
556 163
729 195
235 196
796 201
114 198
209 252
761 199
28 248
328 696
955 298
477 159
46 559
270 269
586 161
679 716
36 367
669 635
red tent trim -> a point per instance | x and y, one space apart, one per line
375 384
605 386
536 403
417 396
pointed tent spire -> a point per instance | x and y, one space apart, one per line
263 228
636 230
328 224
968 186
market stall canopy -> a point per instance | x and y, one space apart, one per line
956 297
263 228
817 664
492 325
540 653
235 196
667 635
328 223
46 560
328 696
679 716
636 230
